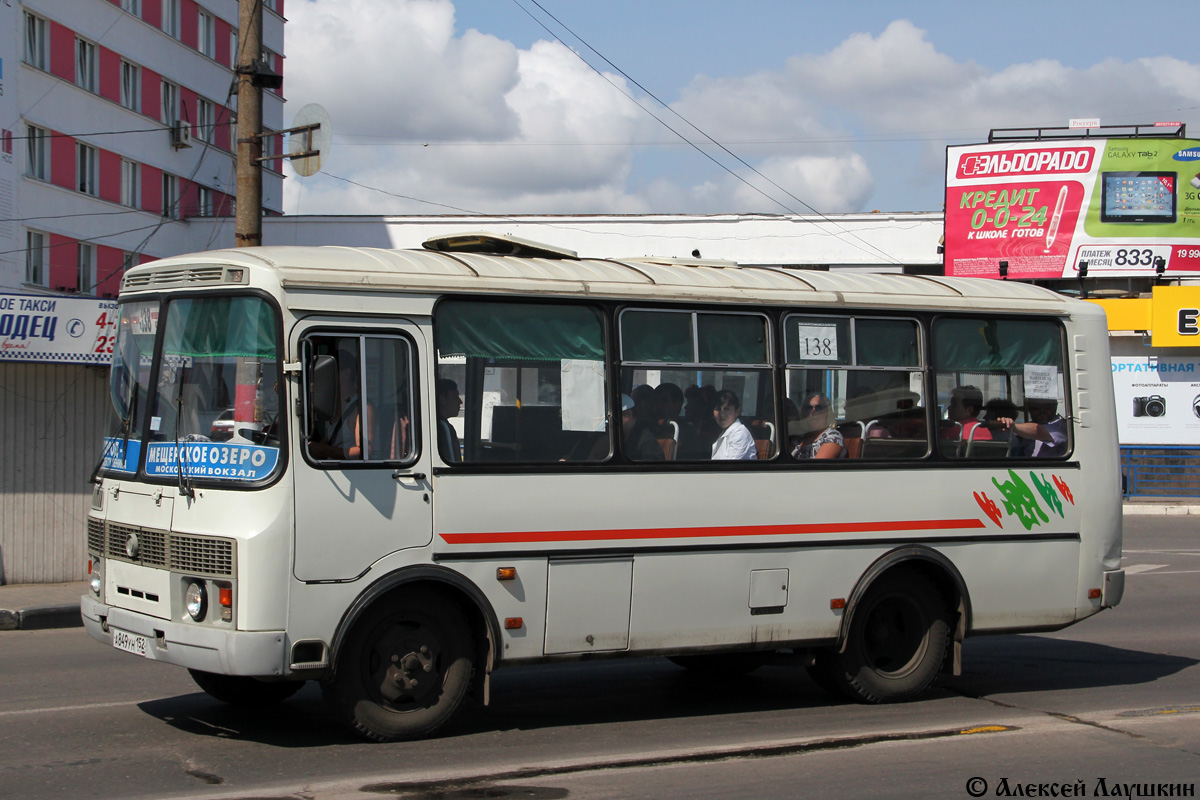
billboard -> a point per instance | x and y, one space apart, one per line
1158 399
53 329
1043 207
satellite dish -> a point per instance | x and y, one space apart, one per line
309 139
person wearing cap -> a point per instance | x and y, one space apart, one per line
735 442
1045 435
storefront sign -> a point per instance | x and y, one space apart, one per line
55 329
1158 399
1125 207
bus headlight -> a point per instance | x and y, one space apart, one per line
95 583
196 600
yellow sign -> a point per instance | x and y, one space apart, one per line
1175 316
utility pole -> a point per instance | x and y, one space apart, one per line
248 218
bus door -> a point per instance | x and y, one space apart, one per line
362 487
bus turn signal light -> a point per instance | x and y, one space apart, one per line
506 573
513 623
1094 594
837 603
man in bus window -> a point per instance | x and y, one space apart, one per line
735 442
449 403
965 404
1045 435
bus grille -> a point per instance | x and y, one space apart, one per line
95 541
196 555
176 276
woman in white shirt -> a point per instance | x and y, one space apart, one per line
735 441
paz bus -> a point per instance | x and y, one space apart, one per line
397 471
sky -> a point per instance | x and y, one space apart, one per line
705 106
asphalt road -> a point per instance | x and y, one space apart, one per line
1115 698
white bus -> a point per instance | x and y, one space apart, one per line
395 472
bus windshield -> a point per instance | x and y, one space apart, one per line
215 409
129 385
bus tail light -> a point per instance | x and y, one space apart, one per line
225 600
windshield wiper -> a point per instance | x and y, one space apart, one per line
185 485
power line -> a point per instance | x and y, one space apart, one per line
868 246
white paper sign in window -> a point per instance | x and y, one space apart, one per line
817 341
1041 382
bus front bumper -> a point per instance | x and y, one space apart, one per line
225 652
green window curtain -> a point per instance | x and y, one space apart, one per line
221 327
887 343
518 331
973 345
732 339
657 336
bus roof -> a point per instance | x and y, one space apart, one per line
376 270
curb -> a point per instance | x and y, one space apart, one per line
39 618
1156 510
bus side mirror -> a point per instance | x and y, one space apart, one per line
322 387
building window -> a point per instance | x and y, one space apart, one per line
206 41
35 258
205 202
204 120
131 86
85 168
86 268
170 17
132 6
85 65
37 146
130 183
170 196
170 103
37 43
233 49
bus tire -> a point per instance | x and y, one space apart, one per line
404 669
896 642
730 665
239 690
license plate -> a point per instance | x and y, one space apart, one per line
131 643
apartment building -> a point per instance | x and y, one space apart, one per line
119 126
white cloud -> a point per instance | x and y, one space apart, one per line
514 130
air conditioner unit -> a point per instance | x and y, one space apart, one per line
181 135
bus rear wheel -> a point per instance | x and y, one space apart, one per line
239 690
404 670
896 642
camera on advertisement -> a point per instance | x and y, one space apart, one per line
1152 406
1196 405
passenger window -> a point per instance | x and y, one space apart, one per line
529 378
359 402
696 386
1000 389
855 388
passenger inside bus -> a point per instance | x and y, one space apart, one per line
1045 435
341 436
822 439
735 442
448 402
963 414
637 434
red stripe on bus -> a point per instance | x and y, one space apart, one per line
690 533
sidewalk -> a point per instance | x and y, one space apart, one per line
36 606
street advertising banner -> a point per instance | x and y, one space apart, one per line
61 330
1119 205
1158 399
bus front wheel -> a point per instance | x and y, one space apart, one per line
896 642
404 670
